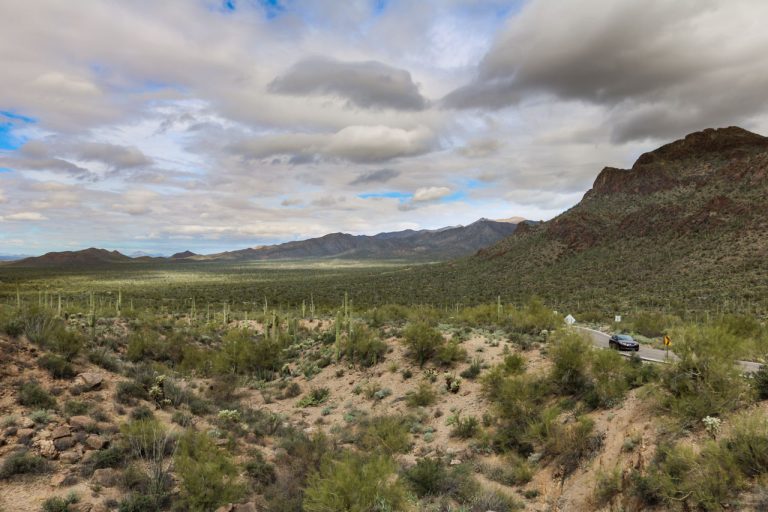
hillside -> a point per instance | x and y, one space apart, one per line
686 226
439 244
86 257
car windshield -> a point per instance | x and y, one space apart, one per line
624 337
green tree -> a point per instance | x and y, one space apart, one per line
422 341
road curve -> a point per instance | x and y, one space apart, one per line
600 339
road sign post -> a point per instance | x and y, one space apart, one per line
667 343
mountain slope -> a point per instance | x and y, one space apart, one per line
86 257
686 226
441 244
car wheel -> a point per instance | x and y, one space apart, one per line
637 349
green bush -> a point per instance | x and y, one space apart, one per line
355 483
570 360
422 341
609 375
362 346
463 427
57 366
242 353
315 397
761 382
427 477
31 394
423 396
572 443
748 443
705 381
137 503
128 392
474 369
22 463
494 500
58 504
261 472
388 434
450 353
208 474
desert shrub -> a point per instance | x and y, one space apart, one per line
427 477
573 443
450 353
208 474
389 434
31 394
652 324
22 463
315 397
111 457
65 342
76 407
474 369
362 346
422 341
494 500
355 483
128 392
705 381
292 390
423 396
463 427
261 472
608 485
608 371
761 382
59 504
242 353
517 400
570 360
39 325
57 366
515 470
41 416
533 318
102 357
748 443
136 502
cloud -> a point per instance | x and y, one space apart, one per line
3 197
117 157
430 193
24 216
367 84
479 148
377 176
641 59
359 144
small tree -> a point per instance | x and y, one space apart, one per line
208 474
422 341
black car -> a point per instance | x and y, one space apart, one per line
623 342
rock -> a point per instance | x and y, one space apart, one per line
70 457
63 480
104 426
89 380
455 462
47 449
106 477
81 422
535 457
64 443
95 442
229 507
24 435
10 431
62 431
26 422
245 507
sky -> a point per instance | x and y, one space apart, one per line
156 127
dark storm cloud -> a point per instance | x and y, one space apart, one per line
369 84
640 59
377 176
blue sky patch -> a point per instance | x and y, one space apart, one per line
402 196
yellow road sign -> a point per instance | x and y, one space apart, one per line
667 341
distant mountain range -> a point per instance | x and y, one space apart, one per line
432 245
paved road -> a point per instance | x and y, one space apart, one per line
600 339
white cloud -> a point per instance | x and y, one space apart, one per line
430 193
24 216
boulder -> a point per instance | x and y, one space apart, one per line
106 477
24 435
89 380
64 443
95 442
47 449
62 431
26 422
81 422
70 457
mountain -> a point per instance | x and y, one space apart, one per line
86 257
183 255
440 244
685 227
12 257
